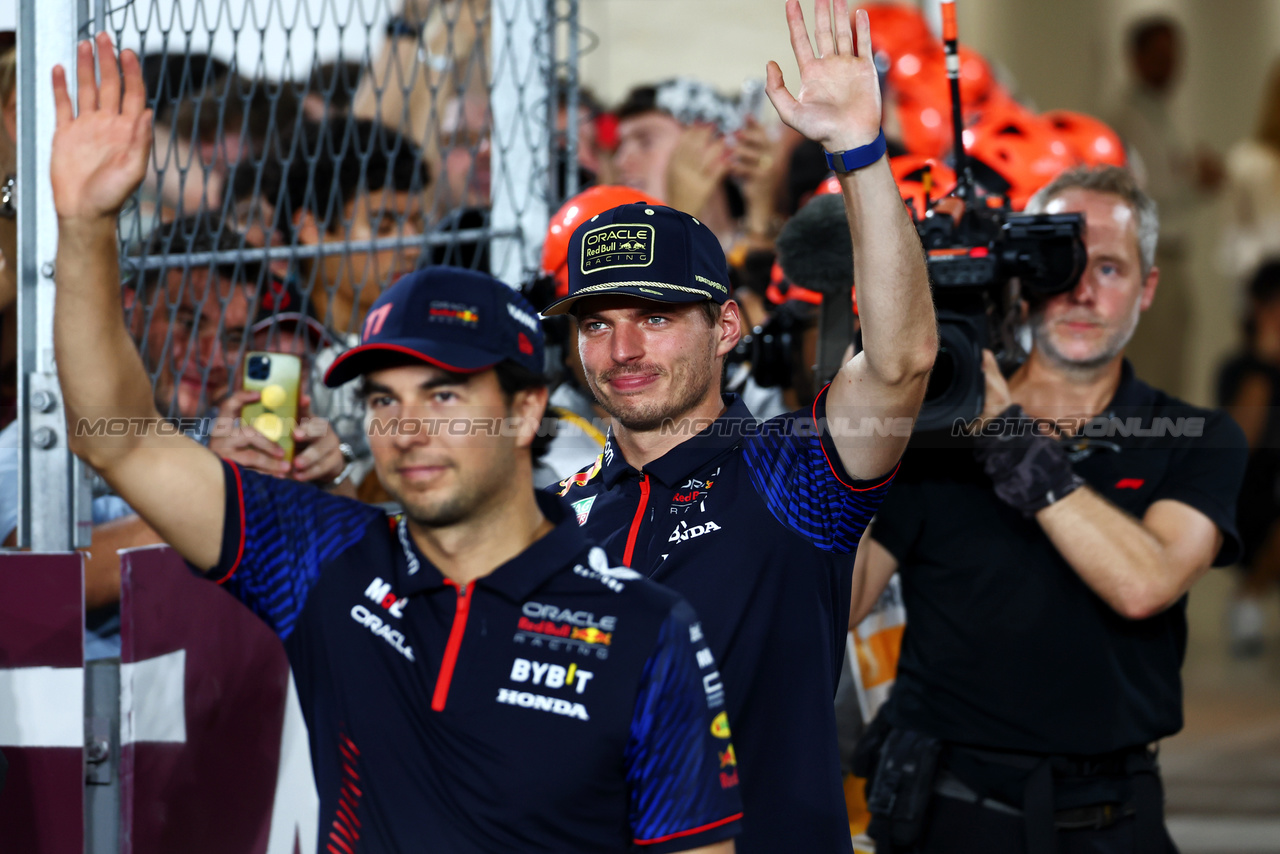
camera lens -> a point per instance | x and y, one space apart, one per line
259 367
943 376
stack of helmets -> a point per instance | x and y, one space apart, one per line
1013 151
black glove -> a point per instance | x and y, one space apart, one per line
1030 471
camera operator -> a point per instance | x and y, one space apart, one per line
1045 575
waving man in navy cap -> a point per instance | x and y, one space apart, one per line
474 678
757 524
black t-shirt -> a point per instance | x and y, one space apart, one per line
1260 493
1005 646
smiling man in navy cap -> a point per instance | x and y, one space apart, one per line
757 524
474 678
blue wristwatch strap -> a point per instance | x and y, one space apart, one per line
856 158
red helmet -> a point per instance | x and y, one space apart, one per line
1016 153
897 28
579 209
1092 140
913 173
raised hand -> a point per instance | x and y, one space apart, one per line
838 103
698 164
99 156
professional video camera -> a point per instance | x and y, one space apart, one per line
982 266
984 260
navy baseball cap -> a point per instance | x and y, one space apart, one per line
458 320
649 251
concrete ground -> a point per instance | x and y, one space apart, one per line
1222 772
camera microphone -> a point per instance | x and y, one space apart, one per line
814 248
815 251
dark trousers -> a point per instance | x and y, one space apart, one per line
956 827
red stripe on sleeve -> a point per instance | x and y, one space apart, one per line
689 832
831 465
235 470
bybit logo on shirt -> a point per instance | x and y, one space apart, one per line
611 246
550 675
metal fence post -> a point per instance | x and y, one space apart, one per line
522 61
46 37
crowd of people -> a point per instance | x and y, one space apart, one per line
675 544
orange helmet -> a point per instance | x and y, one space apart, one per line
1092 140
1016 153
897 28
579 209
923 98
920 177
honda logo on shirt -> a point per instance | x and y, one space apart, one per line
685 531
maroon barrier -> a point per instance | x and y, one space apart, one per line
42 703
204 685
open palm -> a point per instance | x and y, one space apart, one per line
838 103
99 156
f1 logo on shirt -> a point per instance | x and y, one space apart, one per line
550 675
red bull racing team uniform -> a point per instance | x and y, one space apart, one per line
556 705
757 525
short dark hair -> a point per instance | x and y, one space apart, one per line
168 77
641 99
1265 284
335 161
514 377
184 237
336 83
711 310
1142 31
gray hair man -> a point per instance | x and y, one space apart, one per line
1045 572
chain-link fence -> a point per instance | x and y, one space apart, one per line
306 154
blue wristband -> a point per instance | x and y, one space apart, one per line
855 158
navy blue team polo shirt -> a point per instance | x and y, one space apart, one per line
757 525
556 704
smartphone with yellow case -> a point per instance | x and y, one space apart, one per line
277 377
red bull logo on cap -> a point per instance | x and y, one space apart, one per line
611 246
466 315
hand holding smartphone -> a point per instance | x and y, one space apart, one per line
277 377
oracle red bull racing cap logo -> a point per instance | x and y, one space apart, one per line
624 245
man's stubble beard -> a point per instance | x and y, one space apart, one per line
1111 348
689 388
467 500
